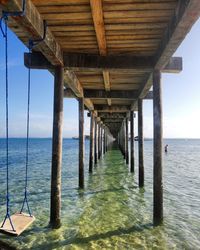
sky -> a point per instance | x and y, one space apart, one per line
181 96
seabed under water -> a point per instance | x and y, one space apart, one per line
110 213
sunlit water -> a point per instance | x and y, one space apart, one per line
111 212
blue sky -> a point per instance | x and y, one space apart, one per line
181 96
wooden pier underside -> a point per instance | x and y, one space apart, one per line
106 46
108 53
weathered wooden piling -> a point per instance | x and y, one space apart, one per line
95 141
140 143
132 140
157 148
104 140
55 208
126 141
123 139
99 140
91 159
81 142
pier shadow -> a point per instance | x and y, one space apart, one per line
95 237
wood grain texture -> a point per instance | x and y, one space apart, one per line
97 14
55 208
157 149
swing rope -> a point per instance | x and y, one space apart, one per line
32 43
5 35
25 201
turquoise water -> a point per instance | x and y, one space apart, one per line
112 212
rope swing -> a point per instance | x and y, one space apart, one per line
18 222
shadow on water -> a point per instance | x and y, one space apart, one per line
85 240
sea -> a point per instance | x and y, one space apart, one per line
111 212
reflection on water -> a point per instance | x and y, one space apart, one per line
112 212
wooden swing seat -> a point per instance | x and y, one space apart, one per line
21 222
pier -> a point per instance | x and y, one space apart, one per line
110 56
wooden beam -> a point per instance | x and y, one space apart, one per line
113 94
97 15
157 152
36 60
113 108
113 120
174 65
106 78
94 62
55 208
73 83
186 14
149 96
111 116
32 25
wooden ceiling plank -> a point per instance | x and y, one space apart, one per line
186 14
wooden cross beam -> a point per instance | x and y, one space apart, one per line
101 63
50 51
112 120
113 108
110 115
113 94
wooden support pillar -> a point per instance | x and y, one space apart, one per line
121 139
104 140
157 155
126 141
132 140
99 140
140 143
91 160
81 142
95 141
55 209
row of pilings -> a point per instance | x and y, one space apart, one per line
123 139
100 137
